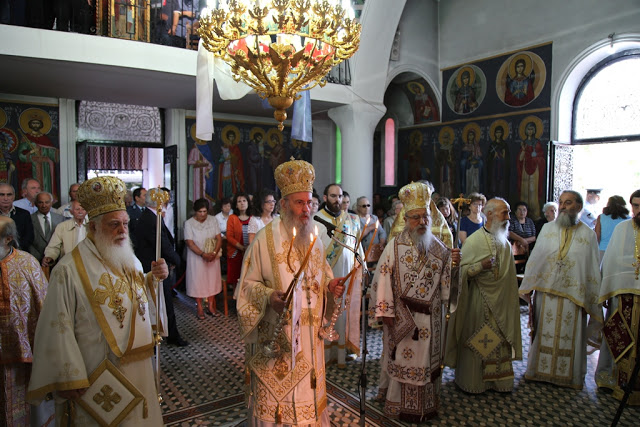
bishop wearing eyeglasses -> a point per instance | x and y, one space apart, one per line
410 288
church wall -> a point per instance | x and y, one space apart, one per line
418 42
471 30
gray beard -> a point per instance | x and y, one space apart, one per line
421 241
302 241
500 230
4 251
121 257
565 220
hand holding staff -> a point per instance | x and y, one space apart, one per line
160 197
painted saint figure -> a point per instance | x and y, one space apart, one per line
201 169
471 163
465 101
424 109
445 161
531 165
230 171
498 160
519 85
255 159
37 156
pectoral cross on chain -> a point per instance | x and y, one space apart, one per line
112 292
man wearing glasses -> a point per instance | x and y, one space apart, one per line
342 260
410 288
376 242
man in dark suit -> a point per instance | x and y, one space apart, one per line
145 248
44 223
21 217
135 211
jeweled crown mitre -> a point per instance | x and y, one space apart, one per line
102 195
295 176
415 196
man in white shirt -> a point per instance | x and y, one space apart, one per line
65 210
67 235
30 188
44 223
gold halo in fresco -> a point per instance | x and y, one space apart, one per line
473 126
472 76
225 135
530 119
415 139
3 118
274 137
447 130
415 87
35 114
502 123
256 131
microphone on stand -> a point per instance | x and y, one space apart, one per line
330 227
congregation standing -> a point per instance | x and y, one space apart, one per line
421 273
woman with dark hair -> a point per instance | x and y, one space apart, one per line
614 213
474 221
204 240
522 228
263 213
449 213
237 236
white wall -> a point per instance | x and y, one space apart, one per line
471 30
418 42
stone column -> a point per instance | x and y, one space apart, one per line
357 122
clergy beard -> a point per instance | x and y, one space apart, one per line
566 220
302 230
4 251
422 241
636 219
118 255
500 230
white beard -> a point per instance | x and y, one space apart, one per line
565 220
120 256
422 241
500 231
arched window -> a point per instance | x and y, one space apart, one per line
607 103
389 153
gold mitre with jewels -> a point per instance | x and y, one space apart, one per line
102 195
415 196
295 176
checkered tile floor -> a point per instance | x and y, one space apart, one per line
202 385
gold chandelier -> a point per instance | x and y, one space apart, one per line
280 47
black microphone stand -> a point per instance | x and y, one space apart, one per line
362 380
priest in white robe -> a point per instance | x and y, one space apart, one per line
563 273
99 313
286 379
484 334
410 287
342 261
620 289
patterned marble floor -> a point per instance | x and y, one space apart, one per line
203 382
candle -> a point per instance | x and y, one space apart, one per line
303 265
290 247
375 230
